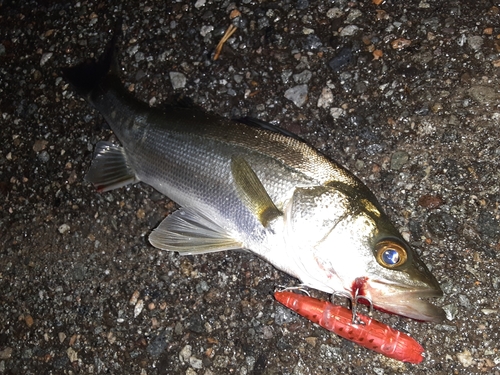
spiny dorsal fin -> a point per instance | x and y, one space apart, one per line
250 121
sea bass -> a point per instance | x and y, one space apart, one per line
255 188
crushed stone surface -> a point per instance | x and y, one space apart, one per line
404 94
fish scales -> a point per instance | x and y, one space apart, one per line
188 159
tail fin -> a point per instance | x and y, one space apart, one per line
86 76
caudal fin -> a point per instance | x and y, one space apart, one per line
86 76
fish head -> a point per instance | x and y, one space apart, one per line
399 281
358 252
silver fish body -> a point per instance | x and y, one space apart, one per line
246 187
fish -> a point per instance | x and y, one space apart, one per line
366 332
253 186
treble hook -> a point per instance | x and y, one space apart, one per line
300 288
338 294
354 306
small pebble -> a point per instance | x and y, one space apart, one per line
179 328
285 76
489 311
206 30
334 13
45 57
111 337
141 214
313 42
475 42
135 297
436 107
349 30
353 14
6 353
62 336
28 319
72 354
377 54
200 3
64 228
400 43
464 301
185 353
311 341
138 308
461 40
297 94
195 362
326 98
337 112
398 159
44 156
221 361
302 77
139 56
465 358
178 80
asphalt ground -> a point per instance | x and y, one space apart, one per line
404 94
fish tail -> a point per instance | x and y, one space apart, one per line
86 76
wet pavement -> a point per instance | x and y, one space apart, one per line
404 95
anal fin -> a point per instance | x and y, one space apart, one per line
110 168
189 232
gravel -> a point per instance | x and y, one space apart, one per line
404 94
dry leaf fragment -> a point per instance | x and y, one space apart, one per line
229 32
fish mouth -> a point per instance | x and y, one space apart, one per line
410 302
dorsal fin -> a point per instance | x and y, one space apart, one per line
250 121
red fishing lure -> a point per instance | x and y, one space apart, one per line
369 333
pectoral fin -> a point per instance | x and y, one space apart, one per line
252 192
110 168
189 232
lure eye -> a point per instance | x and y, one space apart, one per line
390 254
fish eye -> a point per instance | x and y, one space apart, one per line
390 254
